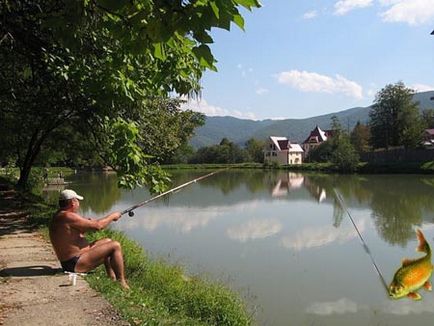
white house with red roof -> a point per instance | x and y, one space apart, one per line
282 151
316 137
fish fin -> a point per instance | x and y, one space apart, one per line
427 286
422 247
415 296
406 262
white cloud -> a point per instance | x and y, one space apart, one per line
261 91
254 229
310 14
422 87
341 306
212 110
409 307
342 7
179 220
414 12
319 237
313 82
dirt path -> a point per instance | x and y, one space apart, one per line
33 289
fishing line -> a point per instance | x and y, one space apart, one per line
365 246
131 209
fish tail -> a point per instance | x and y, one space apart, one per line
423 244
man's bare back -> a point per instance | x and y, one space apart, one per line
75 253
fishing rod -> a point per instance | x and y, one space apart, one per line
131 209
365 246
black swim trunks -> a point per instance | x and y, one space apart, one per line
69 265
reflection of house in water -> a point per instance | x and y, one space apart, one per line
286 182
315 190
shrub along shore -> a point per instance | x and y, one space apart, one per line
160 294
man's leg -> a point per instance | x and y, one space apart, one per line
107 264
97 255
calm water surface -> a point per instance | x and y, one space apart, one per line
282 240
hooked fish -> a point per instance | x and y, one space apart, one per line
413 274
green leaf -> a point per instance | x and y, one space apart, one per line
203 53
248 3
239 20
215 9
159 52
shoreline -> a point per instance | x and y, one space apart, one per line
362 168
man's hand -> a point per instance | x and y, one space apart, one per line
116 216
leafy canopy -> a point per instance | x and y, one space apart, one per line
94 66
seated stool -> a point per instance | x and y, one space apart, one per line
72 277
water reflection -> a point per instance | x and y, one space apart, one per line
320 236
341 306
286 182
178 219
397 203
255 229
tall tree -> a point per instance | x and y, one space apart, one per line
428 118
255 150
360 137
394 118
343 154
89 64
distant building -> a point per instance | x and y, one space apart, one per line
428 138
282 151
316 138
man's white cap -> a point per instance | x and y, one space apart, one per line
69 194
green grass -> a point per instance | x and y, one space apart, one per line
162 295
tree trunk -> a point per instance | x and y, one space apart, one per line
32 152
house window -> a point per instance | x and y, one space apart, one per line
274 154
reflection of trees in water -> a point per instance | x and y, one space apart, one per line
100 192
398 204
231 180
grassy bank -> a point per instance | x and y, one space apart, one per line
362 168
160 294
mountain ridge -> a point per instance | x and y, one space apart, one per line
296 130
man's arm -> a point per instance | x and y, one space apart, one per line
84 224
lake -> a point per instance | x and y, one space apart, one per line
281 239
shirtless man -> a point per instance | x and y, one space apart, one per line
75 253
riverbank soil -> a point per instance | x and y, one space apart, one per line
33 288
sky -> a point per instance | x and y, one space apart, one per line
304 58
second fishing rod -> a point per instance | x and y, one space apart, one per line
131 209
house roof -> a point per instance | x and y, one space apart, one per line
430 131
295 148
276 140
316 136
282 143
